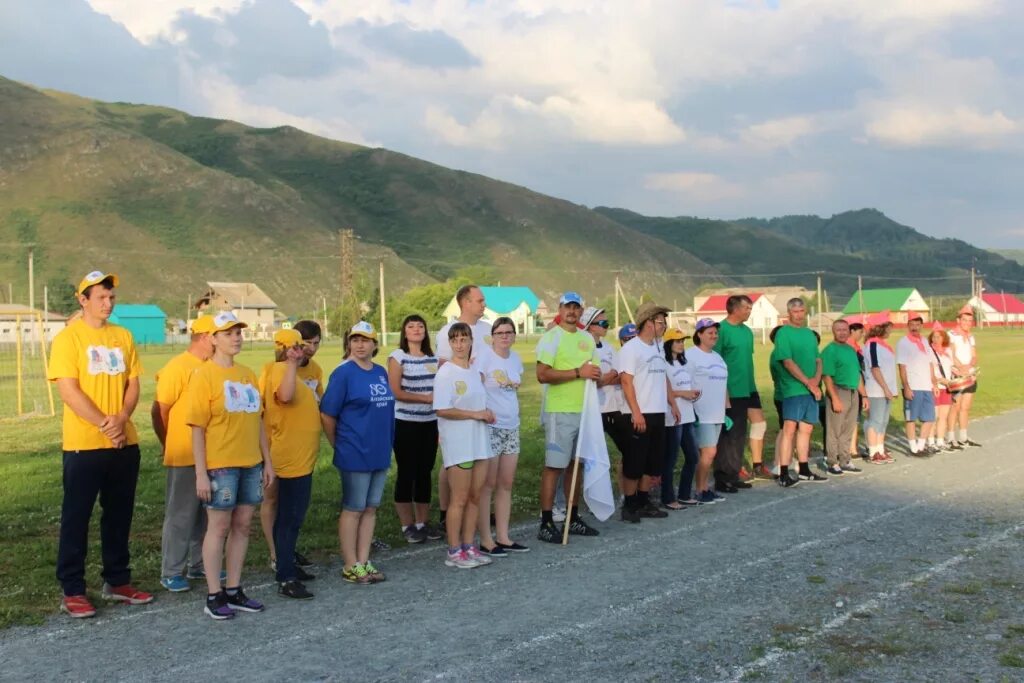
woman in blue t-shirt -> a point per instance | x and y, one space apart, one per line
358 415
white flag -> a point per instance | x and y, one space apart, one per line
592 450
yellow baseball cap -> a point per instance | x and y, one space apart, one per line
674 335
225 320
287 338
96 277
363 329
203 325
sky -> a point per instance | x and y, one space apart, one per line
725 109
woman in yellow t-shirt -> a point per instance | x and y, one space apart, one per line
232 462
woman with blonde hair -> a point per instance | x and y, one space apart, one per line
938 340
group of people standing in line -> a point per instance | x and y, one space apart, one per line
232 439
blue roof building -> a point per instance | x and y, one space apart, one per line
518 303
146 322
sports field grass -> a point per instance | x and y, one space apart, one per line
30 479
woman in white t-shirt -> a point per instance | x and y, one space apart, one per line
710 376
460 401
942 371
880 386
679 433
503 372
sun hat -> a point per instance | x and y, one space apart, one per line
589 314
647 311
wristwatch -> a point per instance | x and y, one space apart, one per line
577 373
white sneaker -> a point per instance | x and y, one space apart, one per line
461 560
558 514
477 556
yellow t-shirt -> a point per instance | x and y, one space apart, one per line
102 360
171 382
226 402
293 428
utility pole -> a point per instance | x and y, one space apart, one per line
860 297
383 308
974 286
31 299
346 276
324 330
821 311
616 297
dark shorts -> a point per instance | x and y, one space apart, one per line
646 450
973 388
754 401
778 411
231 486
800 409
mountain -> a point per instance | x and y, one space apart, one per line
1012 254
789 249
171 200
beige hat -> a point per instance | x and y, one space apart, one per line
647 311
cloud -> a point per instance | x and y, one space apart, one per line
421 48
694 185
910 125
779 132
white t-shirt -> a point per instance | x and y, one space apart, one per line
417 378
919 363
481 341
610 396
679 375
877 356
710 376
502 377
647 365
943 368
961 346
461 440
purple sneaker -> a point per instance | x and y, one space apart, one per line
240 601
217 607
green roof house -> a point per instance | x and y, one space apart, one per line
900 303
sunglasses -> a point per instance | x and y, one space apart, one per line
601 323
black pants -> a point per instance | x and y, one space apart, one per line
646 451
111 474
617 426
732 442
293 496
415 452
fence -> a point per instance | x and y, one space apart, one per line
24 389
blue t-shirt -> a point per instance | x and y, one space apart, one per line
362 403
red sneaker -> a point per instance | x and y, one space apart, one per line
745 475
126 593
77 606
762 472
878 459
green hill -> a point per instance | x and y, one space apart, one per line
171 200
1012 254
899 256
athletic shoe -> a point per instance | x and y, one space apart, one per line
460 560
955 446
218 607
707 497
630 515
744 475
357 574
813 476
762 472
77 606
474 554
242 602
376 575
302 561
972 443
514 548
578 527
175 584
786 482
496 551
126 593
690 502
852 469
558 514
302 575
413 535
835 469
377 544
726 487
199 574
742 484
878 459
549 533
652 511
888 457
433 533
716 496
294 590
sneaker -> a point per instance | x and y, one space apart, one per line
835 469
549 533
786 482
357 574
513 547
955 446
302 575
460 560
242 602
745 475
718 498
651 511
200 574
474 553
217 607
971 442
740 484
413 535
762 472
77 606
852 469
689 502
126 593
726 487
302 561
377 544
888 457
630 515
878 459
707 497
376 575
175 584
813 476
558 514
496 551
294 590
580 528
432 532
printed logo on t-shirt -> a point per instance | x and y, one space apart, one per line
379 395
502 380
104 361
241 398
460 387
487 339
431 368
311 383
584 346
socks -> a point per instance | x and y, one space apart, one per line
456 549
443 513
805 469
419 525
963 436
931 441
575 512
950 437
211 597
783 471
546 518
232 591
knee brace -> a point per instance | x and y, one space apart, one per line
758 430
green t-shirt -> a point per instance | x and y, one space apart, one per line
799 345
563 350
736 347
839 361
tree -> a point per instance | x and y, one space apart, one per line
61 294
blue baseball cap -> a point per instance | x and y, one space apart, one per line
571 298
627 330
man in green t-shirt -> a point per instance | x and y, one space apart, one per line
566 357
796 348
845 388
736 347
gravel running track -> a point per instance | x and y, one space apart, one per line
909 572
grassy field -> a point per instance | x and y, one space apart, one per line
30 479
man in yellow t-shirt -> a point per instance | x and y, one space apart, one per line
184 519
96 369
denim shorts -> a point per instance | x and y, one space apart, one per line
231 486
361 490
800 409
878 414
707 434
921 407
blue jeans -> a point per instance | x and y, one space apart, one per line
231 486
680 435
293 496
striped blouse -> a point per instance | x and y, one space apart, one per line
417 378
